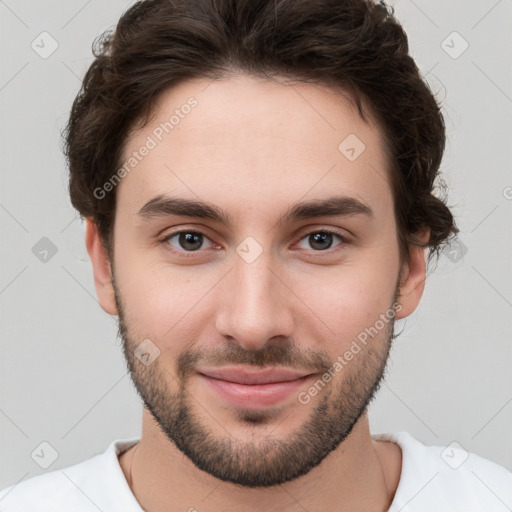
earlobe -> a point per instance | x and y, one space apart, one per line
101 268
412 283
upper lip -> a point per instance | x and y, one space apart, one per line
242 375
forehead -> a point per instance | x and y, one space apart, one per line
243 138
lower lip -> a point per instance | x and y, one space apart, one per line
255 396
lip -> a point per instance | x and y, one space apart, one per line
254 388
248 376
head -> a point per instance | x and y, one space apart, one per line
257 179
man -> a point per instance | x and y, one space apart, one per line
257 182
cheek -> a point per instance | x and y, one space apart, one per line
348 299
174 305
163 303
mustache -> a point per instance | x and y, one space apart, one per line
284 355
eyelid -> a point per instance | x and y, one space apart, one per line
197 231
331 231
310 231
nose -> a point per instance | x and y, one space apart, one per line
254 306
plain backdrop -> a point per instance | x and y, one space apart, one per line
63 378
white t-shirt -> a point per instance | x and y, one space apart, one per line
433 479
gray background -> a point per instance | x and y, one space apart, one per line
63 377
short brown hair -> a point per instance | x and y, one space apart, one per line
356 46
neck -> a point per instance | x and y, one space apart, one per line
360 475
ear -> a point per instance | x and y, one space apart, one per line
101 268
412 282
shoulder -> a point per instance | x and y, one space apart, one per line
448 478
81 487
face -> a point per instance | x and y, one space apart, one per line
256 322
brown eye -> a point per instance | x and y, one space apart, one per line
321 240
188 241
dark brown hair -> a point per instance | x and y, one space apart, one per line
354 46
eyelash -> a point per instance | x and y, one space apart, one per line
189 254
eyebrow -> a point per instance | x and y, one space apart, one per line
162 206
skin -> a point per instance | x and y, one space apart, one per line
254 147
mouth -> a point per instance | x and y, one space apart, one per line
254 388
